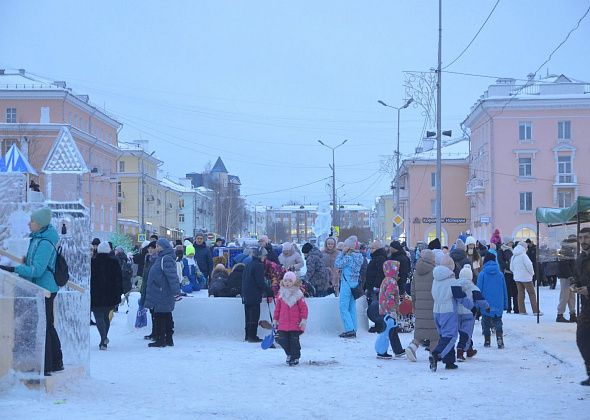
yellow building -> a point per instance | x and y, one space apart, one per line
383 221
144 204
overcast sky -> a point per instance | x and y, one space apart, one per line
259 82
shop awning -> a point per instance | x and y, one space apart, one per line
559 216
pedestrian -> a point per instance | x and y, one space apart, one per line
193 279
218 286
150 257
389 296
265 243
566 265
106 287
447 294
349 260
126 270
493 286
466 318
496 239
473 255
253 289
234 282
317 273
162 289
522 269
41 255
459 256
203 257
425 333
290 317
374 278
289 259
398 253
329 255
582 281
504 257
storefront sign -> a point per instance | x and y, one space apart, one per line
456 220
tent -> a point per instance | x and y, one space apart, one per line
577 213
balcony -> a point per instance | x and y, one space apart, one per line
475 186
566 180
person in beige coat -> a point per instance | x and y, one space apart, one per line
425 332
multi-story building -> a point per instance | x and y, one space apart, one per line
418 185
256 220
528 143
383 220
48 121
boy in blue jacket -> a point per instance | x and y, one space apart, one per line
491 283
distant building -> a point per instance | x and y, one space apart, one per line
383 220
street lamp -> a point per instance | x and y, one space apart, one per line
398 109
335 219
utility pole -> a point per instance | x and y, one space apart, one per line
438 128
335 218
142 197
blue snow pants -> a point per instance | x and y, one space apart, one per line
347 306
466 325
447 327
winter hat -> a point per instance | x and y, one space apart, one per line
42 216
186 242
331 239
391 268
376 244
104 248
306 248
434 244
144 244
95 241
219 267
460 245
483 242
447 262
190 250
470 241
287 246
289 275
427 255
489 257
119 250
340 246
350 242
466 273
396 245
259 252
164 243
438 254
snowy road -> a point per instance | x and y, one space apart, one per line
537 375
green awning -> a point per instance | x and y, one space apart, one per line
555 216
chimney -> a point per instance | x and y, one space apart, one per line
21 72
60 84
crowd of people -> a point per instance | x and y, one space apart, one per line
448 288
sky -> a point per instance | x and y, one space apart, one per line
258 83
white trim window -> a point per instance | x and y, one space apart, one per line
564 169
525 167
11 115
526 201
433 179
565 198
433 207
564 130
525 131
121 166
180 217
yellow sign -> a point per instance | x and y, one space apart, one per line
141 237
336 230
398 220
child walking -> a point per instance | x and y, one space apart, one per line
466 318
290 317
492 284
388 307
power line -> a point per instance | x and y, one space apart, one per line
288 189
474 37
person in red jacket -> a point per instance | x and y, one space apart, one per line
290 317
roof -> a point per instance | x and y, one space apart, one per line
15 161
167 182
219 166
456 149
233 179
64 156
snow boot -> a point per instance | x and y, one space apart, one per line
561 318
471 352
500 340
293 362
159 331
400 355
384 356
411 352
288 359
586 382
487 341
433 362
450 366
573 317
460 355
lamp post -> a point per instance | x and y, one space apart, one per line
335 219
398 109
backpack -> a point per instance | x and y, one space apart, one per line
60 271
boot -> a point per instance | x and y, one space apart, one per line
169 330
451 366
561 318
500 340
460 355
433 359
471 352
573 317
411 352
159 332
487 341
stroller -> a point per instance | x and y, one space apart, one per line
406 321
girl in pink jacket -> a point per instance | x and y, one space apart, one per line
290 317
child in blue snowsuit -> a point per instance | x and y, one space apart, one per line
447 295
465 316
491 282
349 260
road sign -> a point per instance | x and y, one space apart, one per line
141 237
336 230
397 220
210 236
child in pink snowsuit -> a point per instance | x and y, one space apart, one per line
290 317
389 304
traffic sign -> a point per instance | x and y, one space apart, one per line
210 236
397 220
141 237
336 230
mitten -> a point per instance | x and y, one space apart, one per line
7 268
303 324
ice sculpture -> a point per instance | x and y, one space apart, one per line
322 225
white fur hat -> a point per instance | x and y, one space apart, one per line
466 273
470 240
103 248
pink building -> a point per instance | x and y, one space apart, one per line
71 143
528 149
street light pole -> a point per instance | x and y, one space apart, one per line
396 233
438 129
335 218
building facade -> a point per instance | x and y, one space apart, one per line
383 220
528 150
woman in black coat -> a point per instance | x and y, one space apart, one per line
253 288
105 290
234 283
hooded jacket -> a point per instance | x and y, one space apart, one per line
446 291
204 259
253 285
389 291
317 273
491 283
350 263
375 274
292 260
422 300
105 281
218 285
234 282
521 265
163 284
330 255
40 256
290 309
404 263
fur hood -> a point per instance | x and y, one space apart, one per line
441 273
290 295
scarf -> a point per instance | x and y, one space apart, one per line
290 295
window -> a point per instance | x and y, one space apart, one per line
433 179
525 131
121 166
119 190
564 129
525 166
119 207
433 207
526 201
565 198
11 115
181 203
7 144
44 118
564 169
181 217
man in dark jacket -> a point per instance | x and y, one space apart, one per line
582 283
375 273
271 255
203 256
504 257
398 254
126 270
459 256
253 288
105 290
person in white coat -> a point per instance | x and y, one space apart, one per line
522 269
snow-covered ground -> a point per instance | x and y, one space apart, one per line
537 375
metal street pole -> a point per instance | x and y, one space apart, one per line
438 129
335 215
